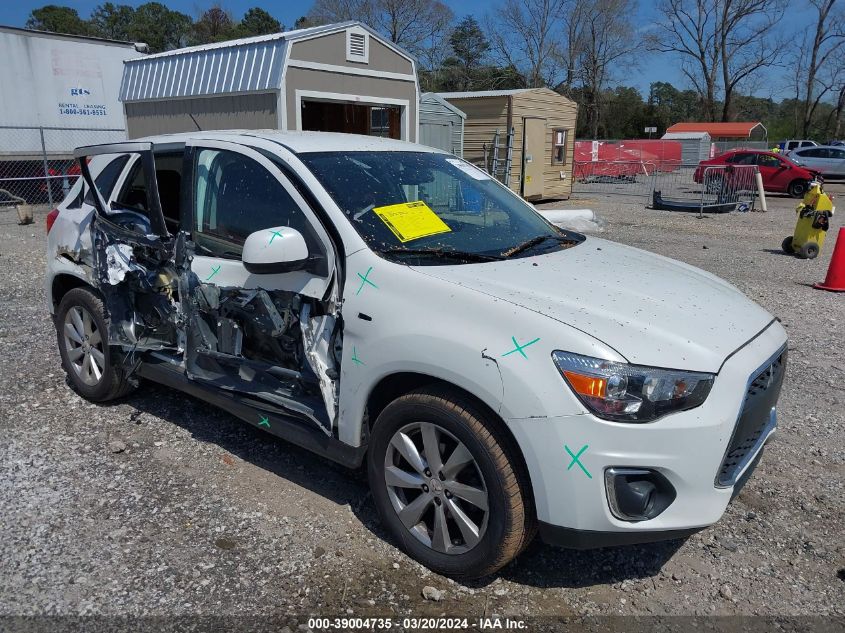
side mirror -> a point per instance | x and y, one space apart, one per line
280 249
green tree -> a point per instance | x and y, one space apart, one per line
158 26
57 19
257 21
112 21
469 49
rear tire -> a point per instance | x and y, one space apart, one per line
82 332
797 188
809 250
786 245
499 508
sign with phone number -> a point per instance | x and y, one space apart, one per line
87 110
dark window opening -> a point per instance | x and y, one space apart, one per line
133 196
351 118
558 146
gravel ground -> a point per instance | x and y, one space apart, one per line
162 505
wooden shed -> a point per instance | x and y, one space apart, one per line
333 78
535 159
441 124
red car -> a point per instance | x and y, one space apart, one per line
779 173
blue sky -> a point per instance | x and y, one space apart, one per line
657 68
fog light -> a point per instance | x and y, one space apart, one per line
637 494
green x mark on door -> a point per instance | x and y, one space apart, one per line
364 280
355 358
274 235
575 459
519 347
214 271
264 422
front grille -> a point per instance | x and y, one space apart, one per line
755 417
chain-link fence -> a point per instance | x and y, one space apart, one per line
37 165
720 147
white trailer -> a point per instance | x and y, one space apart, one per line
58 92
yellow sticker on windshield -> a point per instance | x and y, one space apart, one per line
411 220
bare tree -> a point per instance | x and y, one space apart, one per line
688 30
573 19
607 40
722 44
329 11
819 61
412 23
417 25
747 42
527 35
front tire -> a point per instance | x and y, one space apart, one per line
448 485
82 331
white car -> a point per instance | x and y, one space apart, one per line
375 300
828 161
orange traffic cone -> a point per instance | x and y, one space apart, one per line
835 279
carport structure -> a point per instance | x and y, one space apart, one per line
335 78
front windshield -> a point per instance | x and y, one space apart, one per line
429 207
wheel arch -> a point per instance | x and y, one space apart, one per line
393 386
63 283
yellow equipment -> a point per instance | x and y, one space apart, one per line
814 213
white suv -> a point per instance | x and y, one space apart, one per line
374 300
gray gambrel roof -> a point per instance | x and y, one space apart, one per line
433 97
251 64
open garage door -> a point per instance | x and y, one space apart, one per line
352 118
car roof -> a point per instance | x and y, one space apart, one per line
748 151
803 149
298 142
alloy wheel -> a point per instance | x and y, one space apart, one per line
84 345
436 488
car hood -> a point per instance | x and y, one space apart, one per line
652 310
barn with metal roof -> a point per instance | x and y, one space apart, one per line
730 130
335 78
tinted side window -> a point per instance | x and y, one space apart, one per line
764 160
812 153
743 159
235 196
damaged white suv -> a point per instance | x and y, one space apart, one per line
374 300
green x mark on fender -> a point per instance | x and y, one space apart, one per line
355 358
274 235
264 422
364 280
575 459
214 271
519 347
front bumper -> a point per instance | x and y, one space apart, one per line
689 449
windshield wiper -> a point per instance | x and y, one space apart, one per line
534 241
443 254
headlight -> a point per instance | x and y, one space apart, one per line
631 393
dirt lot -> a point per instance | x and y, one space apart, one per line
162 505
